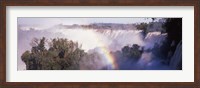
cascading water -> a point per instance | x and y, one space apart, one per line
176 59
114 40
153 38
120 38
89 39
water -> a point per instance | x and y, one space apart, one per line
176 59
90 39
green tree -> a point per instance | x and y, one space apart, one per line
142 26
132 52
62 54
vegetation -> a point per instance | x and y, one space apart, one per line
142 26
62 54
173 28
132 52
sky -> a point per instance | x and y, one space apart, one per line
46 22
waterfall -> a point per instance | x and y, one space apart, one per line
177 57
121 38
153 38
115 40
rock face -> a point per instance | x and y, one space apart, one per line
176 60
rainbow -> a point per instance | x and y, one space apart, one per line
109 57
106 54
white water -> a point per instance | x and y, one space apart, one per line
90 39
177 57
153 38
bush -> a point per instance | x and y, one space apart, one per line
131 52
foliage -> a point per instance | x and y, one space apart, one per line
62 54
173 28
131 52
142 26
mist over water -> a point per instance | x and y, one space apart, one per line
120 42
124 43
92 39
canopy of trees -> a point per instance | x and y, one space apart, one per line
142 26
62 54
132 52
